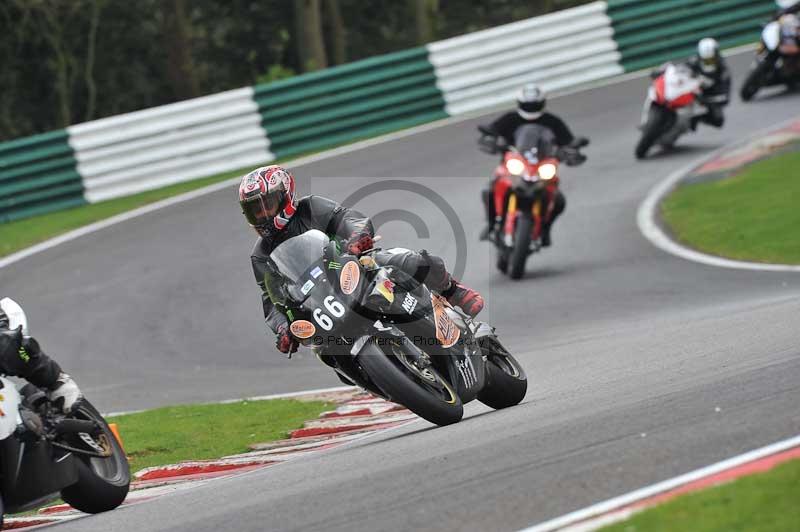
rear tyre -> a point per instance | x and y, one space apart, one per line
507 383
424 392
652 129
502 261
103 483
522 246
2 510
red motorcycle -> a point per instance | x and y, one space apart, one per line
524 192
671 103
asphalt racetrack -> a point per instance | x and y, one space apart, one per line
642 366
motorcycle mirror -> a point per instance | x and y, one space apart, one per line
582 142
16 316
485 130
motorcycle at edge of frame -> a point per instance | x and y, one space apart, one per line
524 189
383 330
777 60
45 454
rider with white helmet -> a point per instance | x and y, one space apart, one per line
21 356
710 67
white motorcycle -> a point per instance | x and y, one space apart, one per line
670 105
777 59
45 454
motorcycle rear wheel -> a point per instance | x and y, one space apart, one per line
103 483
507 383
522 245
430 397
502 260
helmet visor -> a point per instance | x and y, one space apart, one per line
710 61
263 208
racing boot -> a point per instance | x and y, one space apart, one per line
458 295
546 240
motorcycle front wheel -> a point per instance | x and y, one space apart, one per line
103 483
754 81
522 245
653 128
423 391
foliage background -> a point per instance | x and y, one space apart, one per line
69 61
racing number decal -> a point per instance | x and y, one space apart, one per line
336 309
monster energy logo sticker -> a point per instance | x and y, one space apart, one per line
334 265
24 355
467 371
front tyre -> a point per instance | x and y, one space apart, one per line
103 483
754 81
506 383
653 128
522 246
424 392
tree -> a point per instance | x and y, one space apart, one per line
425 12
337 32
308 29
177 35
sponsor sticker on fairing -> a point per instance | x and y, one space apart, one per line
349 277
447 332
302 329
306 288
409 303
316 272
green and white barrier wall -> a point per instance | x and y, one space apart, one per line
143 150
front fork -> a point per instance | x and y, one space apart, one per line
536 213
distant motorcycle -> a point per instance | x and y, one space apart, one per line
45 454
671 103
525 184
777 62
381 329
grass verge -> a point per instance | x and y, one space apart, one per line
766 502
20 234
751 216
195 432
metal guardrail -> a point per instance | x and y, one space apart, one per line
38 175
649 33
557 50
143 150
349 102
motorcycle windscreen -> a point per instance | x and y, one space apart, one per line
286 275
293 257
535 142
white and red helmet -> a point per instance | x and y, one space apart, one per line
267 197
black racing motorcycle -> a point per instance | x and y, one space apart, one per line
381 329
777 61
45 454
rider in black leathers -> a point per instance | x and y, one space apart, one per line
709 66
267 199
21 356
530 110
